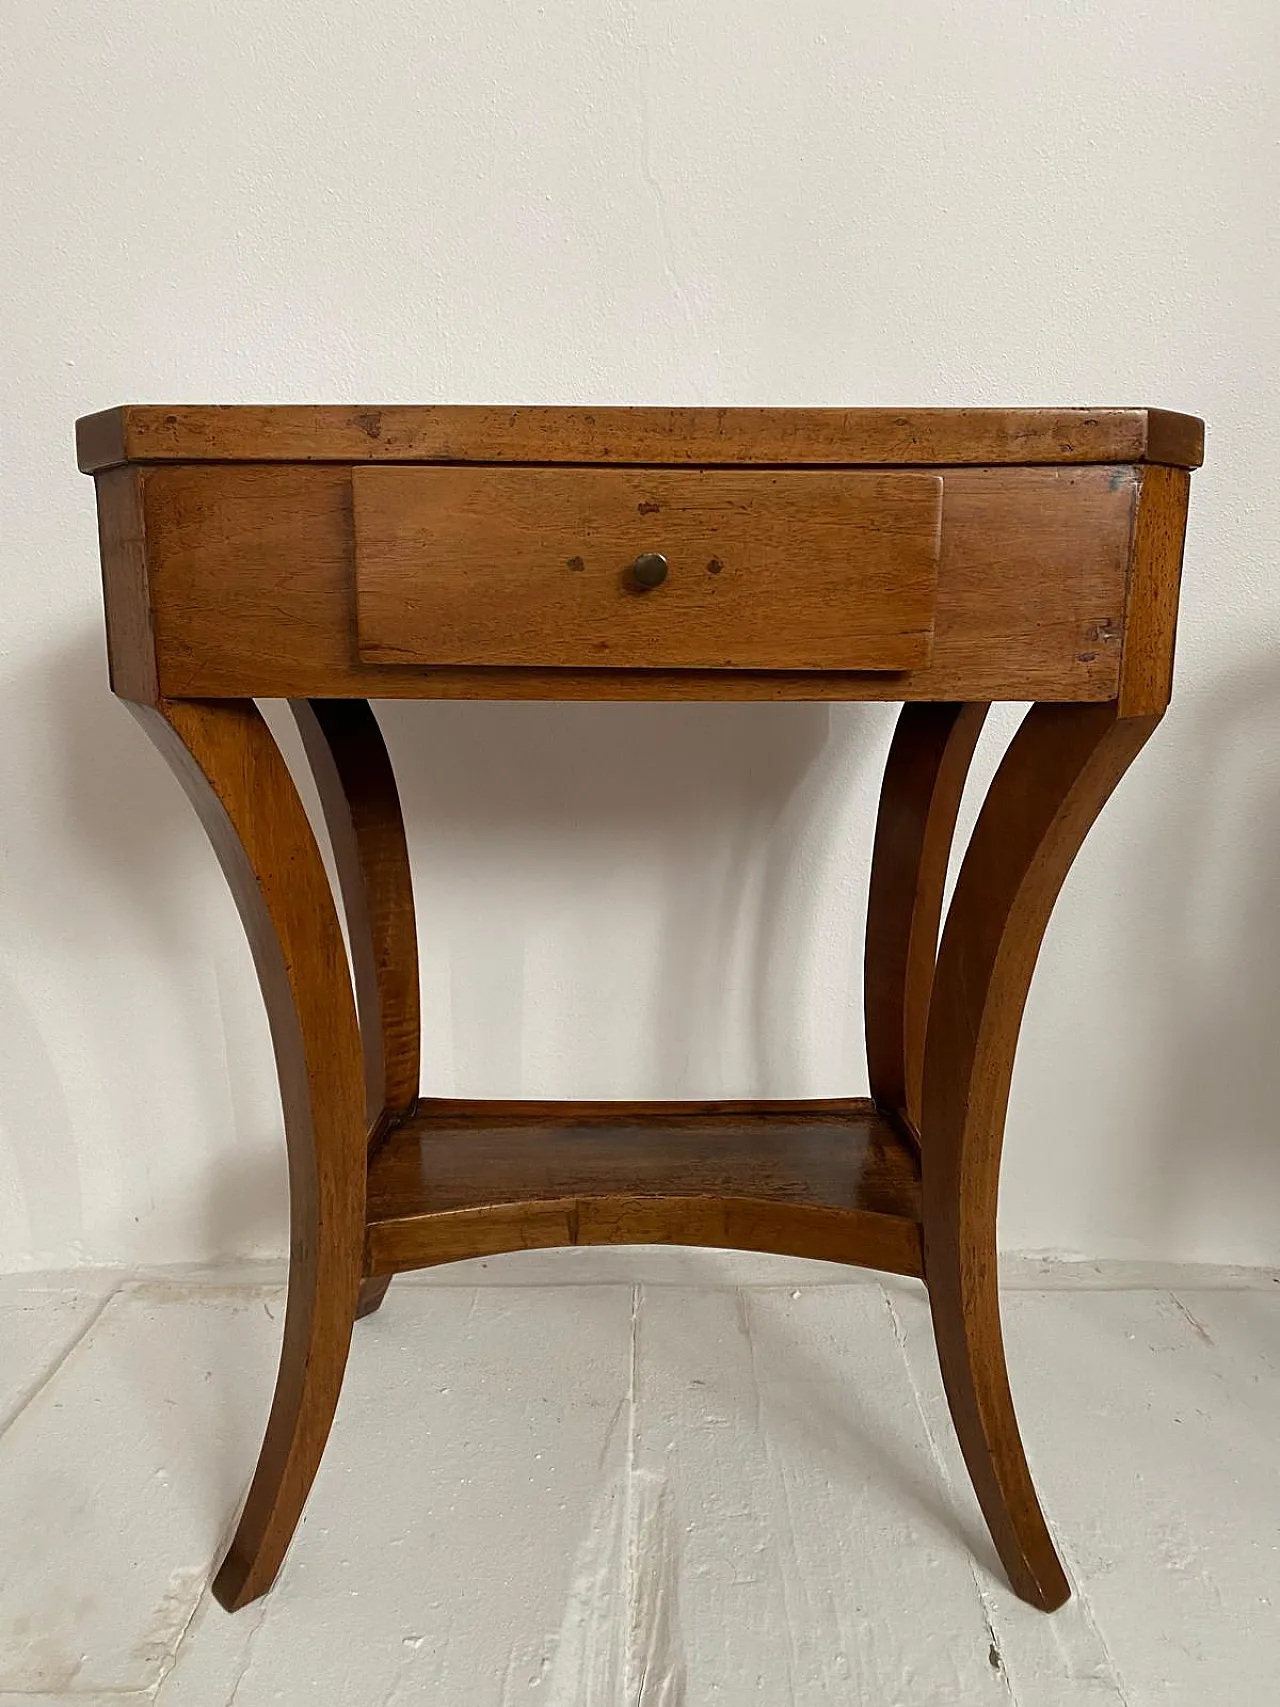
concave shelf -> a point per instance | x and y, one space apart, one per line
832 1179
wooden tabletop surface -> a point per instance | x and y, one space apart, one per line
488 433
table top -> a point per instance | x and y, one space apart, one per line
159 433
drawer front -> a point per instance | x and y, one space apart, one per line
793 569
226 581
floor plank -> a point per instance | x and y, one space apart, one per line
1059 1661
1151 1426
39 1327
802 1505
440 1558
675 1495
117 1481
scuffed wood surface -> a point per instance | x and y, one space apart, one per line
769 569
485 433
825 1179
253 590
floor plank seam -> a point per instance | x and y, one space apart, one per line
789 1572
250 1646
994 1653
944 1478
1197 1326
24 1400
631 1460
1088 1615
1084 1606
652 1668
169 1663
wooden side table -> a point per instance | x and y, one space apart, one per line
942 558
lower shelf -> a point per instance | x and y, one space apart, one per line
831 1179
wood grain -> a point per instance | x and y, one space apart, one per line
920 796
126 592
231 769
856 1236
1155 575
451 1156
799 569
253 583
485 433
361 806
1058 773
828 1179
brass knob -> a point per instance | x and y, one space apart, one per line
649 570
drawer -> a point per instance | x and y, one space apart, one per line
787 569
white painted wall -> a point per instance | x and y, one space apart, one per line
939 201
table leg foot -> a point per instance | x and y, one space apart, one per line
966 1322
373 1289
313 1359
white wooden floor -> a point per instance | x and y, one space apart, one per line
640 1479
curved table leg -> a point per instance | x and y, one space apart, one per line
1060 768
924 779
361 805
234 774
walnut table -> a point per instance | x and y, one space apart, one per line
944 558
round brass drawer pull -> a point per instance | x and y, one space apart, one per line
649 570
